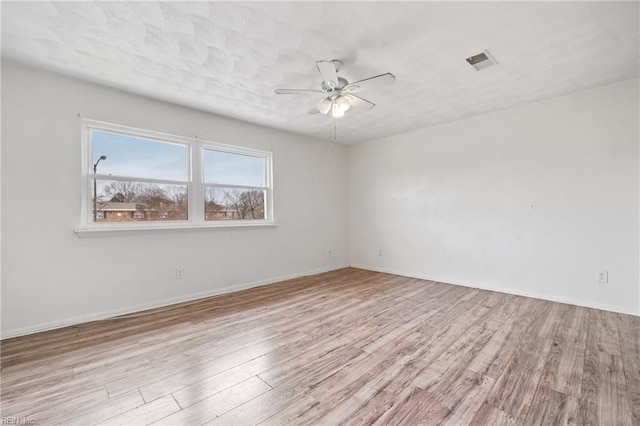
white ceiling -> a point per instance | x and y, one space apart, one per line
227 58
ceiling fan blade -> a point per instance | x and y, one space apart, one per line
370 83
313 110
328 71
296 91
360 103
324 106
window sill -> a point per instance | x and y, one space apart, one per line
113 232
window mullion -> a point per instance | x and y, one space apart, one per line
222 185
196 194
137 179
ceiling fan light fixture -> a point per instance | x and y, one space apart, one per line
343 103
336 111
324 106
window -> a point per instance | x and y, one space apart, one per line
234 185
154 180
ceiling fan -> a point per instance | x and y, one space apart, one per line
339 94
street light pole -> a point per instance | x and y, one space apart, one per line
95 191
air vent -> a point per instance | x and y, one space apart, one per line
481 60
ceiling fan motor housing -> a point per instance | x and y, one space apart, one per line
342 82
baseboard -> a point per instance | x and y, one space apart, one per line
506 290
52 325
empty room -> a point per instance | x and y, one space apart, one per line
320 213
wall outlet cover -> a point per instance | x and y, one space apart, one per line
602 276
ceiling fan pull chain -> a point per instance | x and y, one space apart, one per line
332 130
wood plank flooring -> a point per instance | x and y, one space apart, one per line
344 347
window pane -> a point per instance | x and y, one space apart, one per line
121 201
233 204
138 157
233 169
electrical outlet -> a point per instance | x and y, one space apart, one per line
602 276
179 273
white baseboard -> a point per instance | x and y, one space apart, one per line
534 295
159 304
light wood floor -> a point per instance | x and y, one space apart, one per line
345 347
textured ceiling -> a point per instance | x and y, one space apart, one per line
228 57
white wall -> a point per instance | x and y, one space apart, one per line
531 200
51 277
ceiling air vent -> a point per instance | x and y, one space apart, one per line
481 60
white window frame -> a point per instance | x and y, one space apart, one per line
195 182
